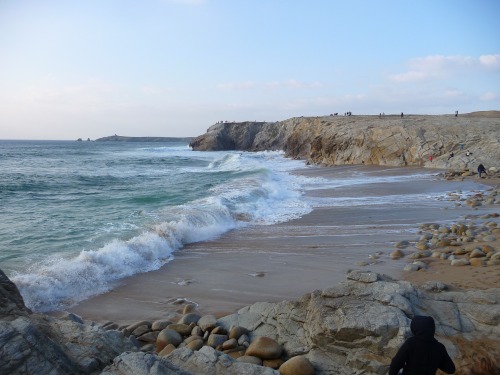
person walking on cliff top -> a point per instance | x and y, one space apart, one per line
422 354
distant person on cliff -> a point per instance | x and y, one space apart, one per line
402 115
422 354
481 169
430 158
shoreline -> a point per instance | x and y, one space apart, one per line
282 261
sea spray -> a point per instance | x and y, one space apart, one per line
217 192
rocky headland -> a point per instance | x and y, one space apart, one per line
389 140
121 138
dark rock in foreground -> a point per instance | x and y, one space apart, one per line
353 328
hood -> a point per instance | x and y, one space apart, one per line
423 327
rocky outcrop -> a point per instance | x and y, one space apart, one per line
353 328
38 344
370 140
358 326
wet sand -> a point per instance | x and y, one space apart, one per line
287 260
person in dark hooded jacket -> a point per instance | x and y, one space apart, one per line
422 354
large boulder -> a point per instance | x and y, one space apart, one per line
41 345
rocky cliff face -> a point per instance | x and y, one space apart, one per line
370 140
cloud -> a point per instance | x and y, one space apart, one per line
490 61
489 96
438 66
273 85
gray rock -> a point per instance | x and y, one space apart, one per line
208 361
142 364
207 322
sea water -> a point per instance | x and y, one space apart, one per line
77 217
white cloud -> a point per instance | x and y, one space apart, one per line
489 96
490 61
438 66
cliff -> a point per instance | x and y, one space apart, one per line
370 140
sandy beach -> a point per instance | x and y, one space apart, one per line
287 260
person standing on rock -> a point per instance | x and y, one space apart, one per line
422 354
481 169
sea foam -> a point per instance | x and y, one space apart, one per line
260 191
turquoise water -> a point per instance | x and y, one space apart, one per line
76 216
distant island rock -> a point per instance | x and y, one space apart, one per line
432 141
119 138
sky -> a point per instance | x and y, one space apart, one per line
93 68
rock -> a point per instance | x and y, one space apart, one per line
220 330
237 332
460 262
477 262
299 365
158 325
264 348
182 329
40 345
196 331
188 308
396 254
402 244
215 340
273 363
135 325
166 350
207 322
489 238
148 337
250 359
230 344
195 344
167 336
141 330
421 265
208 361
434 286
142 364
411 267
362 276
477 253
147 348
189 318
11 302
421 245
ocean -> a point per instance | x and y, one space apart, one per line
78 217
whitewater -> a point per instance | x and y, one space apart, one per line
78 217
